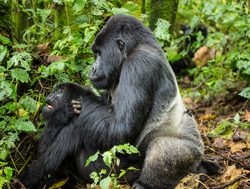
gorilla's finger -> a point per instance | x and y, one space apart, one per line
75 102
76 111
76 106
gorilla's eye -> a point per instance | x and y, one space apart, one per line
60 90
120 44
96 52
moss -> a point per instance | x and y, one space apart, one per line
163 9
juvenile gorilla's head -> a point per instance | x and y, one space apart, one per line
58 104
113 45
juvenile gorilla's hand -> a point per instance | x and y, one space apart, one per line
76 104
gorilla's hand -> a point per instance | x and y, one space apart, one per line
76 104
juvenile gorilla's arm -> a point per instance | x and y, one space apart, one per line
66 143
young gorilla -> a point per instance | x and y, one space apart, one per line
55 145
143 107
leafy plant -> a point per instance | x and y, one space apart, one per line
229 70
109 177
225 128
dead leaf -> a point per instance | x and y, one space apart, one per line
219 143
53 58
43 48
231 173
203 55
58 184
237 147
240 135
187 100
207 117
191 181
247 116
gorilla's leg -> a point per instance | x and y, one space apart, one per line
168 159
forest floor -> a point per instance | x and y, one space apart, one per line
231 149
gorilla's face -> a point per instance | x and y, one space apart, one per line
54 103
110 53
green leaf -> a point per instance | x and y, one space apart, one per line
162 30
3 153
23 59
119 11
8 173
20 75
224 129
105 183
107 158
44 13
245 93
237 118
56 66
23 125
79 5
95 177
28 104
92 158
4 40
3 52
122 173
6 89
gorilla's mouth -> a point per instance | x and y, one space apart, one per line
49 105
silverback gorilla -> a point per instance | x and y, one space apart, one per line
141 105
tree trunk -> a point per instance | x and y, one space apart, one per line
5 21
165 9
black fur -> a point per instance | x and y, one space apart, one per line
60 138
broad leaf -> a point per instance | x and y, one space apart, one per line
20 75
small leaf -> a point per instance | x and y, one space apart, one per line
245 93
3 154
8 173
105 183
23 125
95 177
79 5
122 173
92 158
4 40
107 158
6 89
56 66
59 184
237 118
3 52
28 104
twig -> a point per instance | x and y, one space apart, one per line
230 183
205 186
244 156
41 85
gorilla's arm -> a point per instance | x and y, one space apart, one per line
66 143
105 126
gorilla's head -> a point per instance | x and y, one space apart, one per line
113 45
58 103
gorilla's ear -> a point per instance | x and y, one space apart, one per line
120 43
